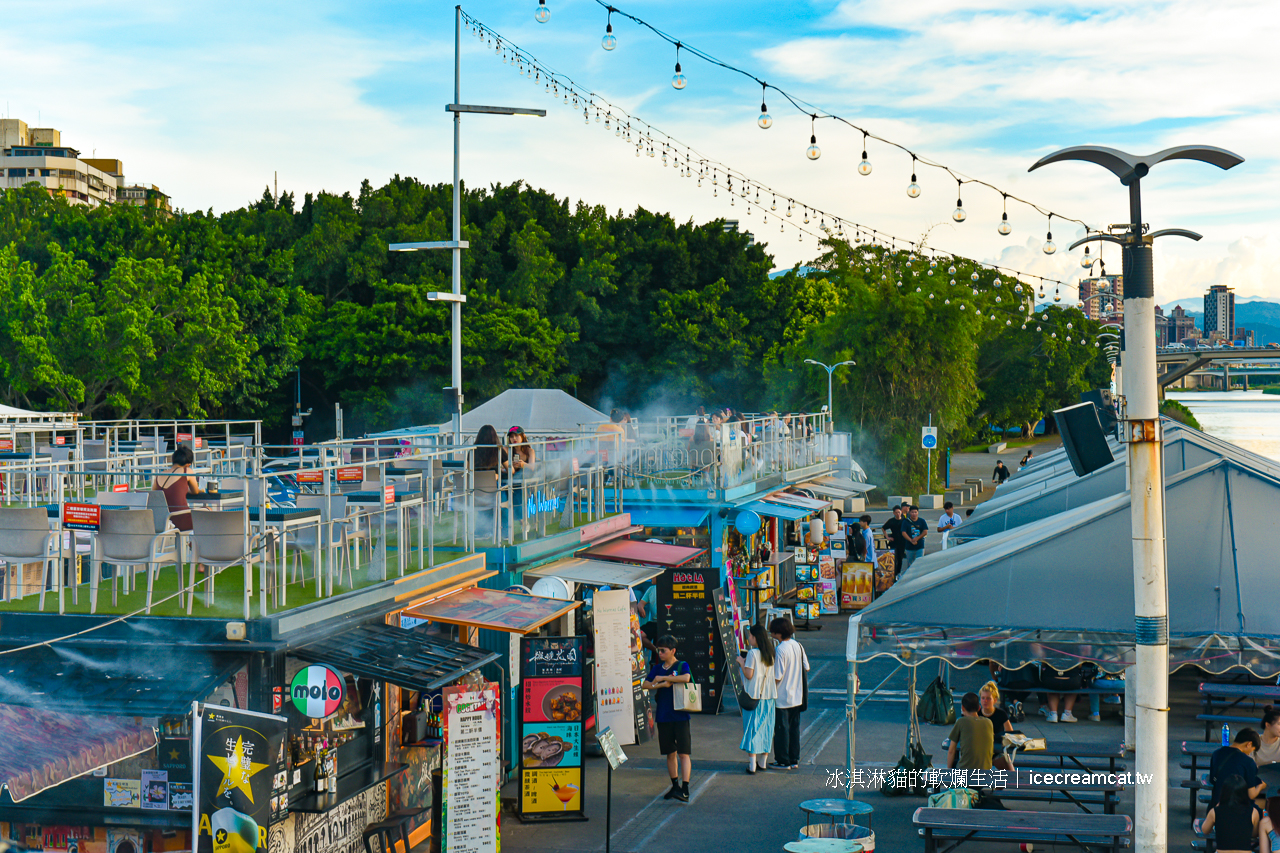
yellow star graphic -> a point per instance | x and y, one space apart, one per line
234 775
174 755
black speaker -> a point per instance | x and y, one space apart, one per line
1102 398
1082 438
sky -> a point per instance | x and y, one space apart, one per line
209 101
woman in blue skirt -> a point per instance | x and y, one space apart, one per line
757 676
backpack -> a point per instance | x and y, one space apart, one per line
938 704
953 798
910 774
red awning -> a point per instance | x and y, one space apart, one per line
645 553
41 749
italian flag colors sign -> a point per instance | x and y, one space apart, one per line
317 691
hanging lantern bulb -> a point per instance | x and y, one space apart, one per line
997 298
586 117
1004 227
953 282
1017 288
822 226
917 289
610 41
788 208
1086 261
1057 297
678 80
884 277
1008 322
1068 325
958 214
930 295
1049 248
1096 344
813 152
1042 290
774 204
913 189
1024 327
867 270
1044 316
947 302
765 121
973 276
1037 328
839 228
996 283
951 270
864 168
806 216
542 14
1053 334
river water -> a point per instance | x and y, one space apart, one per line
1250 419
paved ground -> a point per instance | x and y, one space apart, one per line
730 811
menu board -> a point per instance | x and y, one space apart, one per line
472 729
829 584
687 612
611 616
729 641
552 722
240 755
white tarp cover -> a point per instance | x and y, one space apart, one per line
541 411
1061 588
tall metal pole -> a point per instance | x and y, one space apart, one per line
830 412
1146 494
457 228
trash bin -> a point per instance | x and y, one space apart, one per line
861 834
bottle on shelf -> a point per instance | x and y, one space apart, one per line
317 774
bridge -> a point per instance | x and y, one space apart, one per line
1246 361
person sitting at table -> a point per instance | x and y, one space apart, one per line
1062 683
989 700
177 483
1236 760
1238 820
1269 742
522 452
490 455
972 741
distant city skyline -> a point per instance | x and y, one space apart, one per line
331 94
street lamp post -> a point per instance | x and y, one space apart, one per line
1146 484
457 244
830 368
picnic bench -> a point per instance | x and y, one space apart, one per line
954 827
1031 785
1220 700
1076 753
1197 765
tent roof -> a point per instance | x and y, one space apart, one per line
1061 588
20 416
538 410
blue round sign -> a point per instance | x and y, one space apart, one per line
747 522
930 441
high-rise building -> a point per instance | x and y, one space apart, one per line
1182 326
1102 298
36 155
1220 312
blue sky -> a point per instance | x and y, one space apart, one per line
208 101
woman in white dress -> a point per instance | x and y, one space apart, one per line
757 677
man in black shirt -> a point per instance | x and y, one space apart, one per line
1000 474
914 529
897 541
1236 760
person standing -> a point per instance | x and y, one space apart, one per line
914 530
897 541
790 663
864 531
674 739
758 681
948 522
1000 473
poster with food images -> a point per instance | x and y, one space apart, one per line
612 615
551 745
472 768
554 707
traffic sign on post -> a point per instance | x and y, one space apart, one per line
929 437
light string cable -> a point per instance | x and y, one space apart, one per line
648 139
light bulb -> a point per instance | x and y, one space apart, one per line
958 214
678 80
953 282
610 41
951 270
996 283
913 189
1049 248
542 14
917 289
997 299
973 276
930 295
1024 327
864 168
1008 322
1017 288
774 205
947 302
868 270
933 262
1086 261
813 152
765 121
806 216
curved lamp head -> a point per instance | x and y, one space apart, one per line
1129 167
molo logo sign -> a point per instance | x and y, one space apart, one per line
317 691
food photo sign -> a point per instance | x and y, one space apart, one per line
553 711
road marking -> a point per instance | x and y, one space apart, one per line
814 757
814 722
694 793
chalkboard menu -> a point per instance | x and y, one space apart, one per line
728 642
687 611
553 703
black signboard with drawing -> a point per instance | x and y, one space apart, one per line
728 643
240 761
687 611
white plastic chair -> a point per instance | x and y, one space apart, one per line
127 537
219 541
25 537
333 533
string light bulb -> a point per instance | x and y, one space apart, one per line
678 80
1005 228
1086 261
1049 248
864 168
542 14
813 152
610 41
765 121
913 189
951 270
958 214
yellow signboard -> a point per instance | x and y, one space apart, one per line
551 790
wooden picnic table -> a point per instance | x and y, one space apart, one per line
1073 752
1219 700
1013 827
1081 788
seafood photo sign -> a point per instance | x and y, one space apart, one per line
553 711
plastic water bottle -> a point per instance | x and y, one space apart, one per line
1226 735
